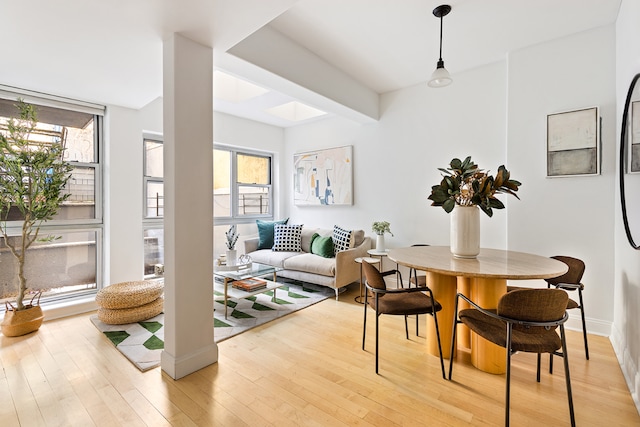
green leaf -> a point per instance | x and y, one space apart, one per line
448 205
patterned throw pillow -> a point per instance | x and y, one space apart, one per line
287 238
341 239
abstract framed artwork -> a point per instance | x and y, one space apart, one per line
323 177
573 143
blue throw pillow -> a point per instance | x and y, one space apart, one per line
265 232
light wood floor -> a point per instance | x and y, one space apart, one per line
304 369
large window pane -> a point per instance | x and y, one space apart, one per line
253 200
82 202
221 183
80 146
155 199
153 159
153 249
65 265
254 169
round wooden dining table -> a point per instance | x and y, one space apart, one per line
483 280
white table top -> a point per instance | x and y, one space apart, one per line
376 252
491 263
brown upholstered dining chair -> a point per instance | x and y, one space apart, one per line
570 281
400 301
525 320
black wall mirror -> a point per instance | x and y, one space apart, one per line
630 164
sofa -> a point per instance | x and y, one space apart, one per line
334 272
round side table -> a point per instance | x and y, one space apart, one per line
359 299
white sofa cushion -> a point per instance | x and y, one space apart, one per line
269 257
311 263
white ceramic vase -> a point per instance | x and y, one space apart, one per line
231 257
465 231
380 242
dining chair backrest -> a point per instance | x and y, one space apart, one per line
533 305
574 275
374 278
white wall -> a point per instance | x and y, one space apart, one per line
626 307
123 195
571 215
396 160
497 114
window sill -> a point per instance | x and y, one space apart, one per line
71 307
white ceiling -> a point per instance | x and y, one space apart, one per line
110 52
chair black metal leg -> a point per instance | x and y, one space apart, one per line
377 319
364 324
417 324
567 376
406 326
538 367
453 337
435 320
551 363
508 387
584 325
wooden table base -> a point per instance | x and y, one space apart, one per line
485 356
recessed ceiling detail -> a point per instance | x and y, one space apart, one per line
295 111
232 89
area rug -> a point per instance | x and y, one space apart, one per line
143 342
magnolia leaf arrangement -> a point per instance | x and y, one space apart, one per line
464 184
381 227
232 236
33 176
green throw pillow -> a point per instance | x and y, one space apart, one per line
323 246
265 232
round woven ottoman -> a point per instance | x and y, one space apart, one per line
130 302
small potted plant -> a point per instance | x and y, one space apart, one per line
33 176
232 239
466 188
381 227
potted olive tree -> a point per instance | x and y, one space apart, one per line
33 175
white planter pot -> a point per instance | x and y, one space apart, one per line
465 231
231 257
380 242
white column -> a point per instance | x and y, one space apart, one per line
188 208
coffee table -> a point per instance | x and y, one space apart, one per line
224 278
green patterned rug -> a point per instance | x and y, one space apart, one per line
143 342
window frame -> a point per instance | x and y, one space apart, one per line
95 224
151 221
236 217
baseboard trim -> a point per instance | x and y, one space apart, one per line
180 367
627 365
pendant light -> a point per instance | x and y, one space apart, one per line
440 77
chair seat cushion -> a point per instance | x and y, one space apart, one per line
572 304
405 303
532 340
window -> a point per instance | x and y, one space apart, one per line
71 264
242 192
241 185
153 177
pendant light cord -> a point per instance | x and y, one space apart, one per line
441 38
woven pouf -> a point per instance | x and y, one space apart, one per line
129 294
120 316
129 302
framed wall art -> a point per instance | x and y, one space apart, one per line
573 143
323 177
